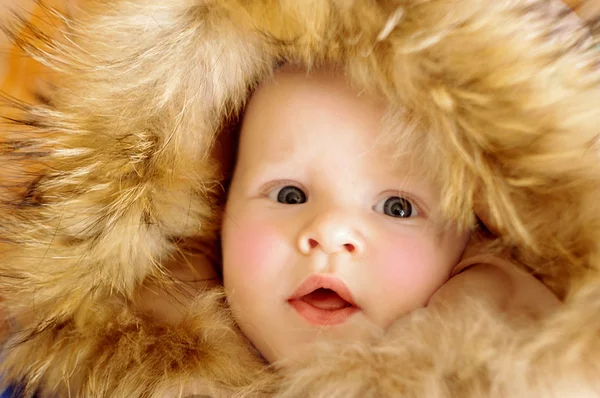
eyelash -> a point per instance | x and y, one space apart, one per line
414 203
268 187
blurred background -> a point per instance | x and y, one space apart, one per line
19 76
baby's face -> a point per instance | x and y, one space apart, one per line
324 234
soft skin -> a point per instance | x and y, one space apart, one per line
314 133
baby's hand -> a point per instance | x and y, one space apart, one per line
497 282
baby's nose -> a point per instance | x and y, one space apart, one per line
332 233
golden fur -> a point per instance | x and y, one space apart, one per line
501 97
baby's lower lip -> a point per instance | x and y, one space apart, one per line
322 317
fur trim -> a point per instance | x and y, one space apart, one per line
118 353
503 94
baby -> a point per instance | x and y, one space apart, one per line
328 233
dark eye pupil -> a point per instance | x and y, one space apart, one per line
397 207
291 196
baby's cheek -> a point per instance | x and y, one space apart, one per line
248 247
396 263
410 271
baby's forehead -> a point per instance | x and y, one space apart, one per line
296 106
296 99
294 86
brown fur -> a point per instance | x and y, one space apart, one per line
502 94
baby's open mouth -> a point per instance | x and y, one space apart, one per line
326 300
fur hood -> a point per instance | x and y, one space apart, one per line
504 92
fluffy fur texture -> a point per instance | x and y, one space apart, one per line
501 94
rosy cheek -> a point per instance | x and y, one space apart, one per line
409 270
247 247
393 261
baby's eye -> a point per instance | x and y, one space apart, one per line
396 206
289 195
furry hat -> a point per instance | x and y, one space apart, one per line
503 93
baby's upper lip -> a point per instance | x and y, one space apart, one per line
315 282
